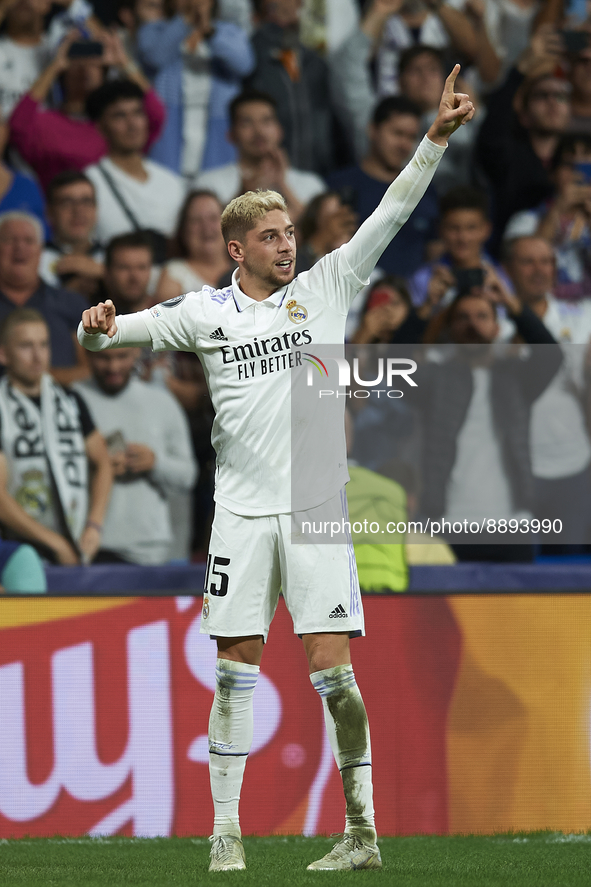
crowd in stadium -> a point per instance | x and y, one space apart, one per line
126 126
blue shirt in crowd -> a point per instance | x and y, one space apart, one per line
406 252
24 196
62 310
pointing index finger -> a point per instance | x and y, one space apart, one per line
450 82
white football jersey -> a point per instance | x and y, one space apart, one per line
249 351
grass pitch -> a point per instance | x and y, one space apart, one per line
542 859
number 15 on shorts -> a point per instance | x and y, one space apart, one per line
216 581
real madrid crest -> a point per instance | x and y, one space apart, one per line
298 314
205 610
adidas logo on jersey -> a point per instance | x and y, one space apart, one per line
219 335
338 613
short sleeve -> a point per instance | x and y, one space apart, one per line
86 420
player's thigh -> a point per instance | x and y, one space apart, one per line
242 578
319 581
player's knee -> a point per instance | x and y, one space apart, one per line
326 651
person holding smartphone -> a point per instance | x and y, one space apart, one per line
464 228
56 140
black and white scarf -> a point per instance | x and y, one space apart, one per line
45 445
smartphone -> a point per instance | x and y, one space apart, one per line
85 49
575 41
115 443
468 278
583 167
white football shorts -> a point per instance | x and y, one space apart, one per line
252 558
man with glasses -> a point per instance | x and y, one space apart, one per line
72 259
525 119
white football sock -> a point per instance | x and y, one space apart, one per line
230 738
348 731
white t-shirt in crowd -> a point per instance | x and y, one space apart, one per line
263 437
20 66
155 203
181 271
478 486
559 439
225 181
137 525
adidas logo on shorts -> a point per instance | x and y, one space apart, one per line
218 334
338 613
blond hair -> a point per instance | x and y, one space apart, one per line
16 318
242 213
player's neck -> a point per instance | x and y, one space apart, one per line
254 287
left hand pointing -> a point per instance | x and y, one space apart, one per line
455 109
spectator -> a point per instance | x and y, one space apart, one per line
24 49
150 448
422 77
53 141
561 452
464 228
18 192
351 73
72 259
297 79
563 220
21 244
77 14
201 257
128 268
441 25
325 25
503 32
373 497
420 548
132 14
421 70
132 193
257 134
580 79
197 63
515 147
393 133
476 453
54 489
389 316
325 224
